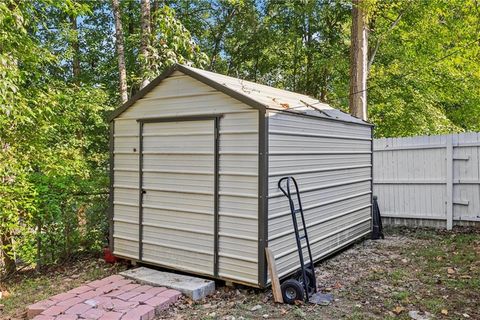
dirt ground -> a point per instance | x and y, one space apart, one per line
433 273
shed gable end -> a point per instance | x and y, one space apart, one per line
179 95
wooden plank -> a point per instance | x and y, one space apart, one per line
272 269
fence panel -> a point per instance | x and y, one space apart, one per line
428 180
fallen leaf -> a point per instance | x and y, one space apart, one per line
398 309
444 312
450 271
466 277
255 308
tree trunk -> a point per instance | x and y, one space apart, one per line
131 18
119 43
153 11
358 62
218 39
76 50
145 41
5 252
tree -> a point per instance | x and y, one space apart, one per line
76 49
145 41
358 62
119 42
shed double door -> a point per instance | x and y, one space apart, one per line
178 196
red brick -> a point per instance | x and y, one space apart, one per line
112 292
105 281
113 286
111 316
92 302
43 317
143 288
79 308
113 278
128 295
129 287
107 288
123 282
89 294
70 302
93 314
67 317
142 312
54 310
99 301
121 306
98 283
80 290
172 295
62 296
159 303
142 297
37 308
156 290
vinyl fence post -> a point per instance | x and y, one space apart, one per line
449 182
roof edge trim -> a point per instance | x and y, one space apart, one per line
140 94
297 113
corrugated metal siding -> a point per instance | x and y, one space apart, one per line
178 214
180 95
125 205
331 162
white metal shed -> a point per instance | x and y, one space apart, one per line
195 161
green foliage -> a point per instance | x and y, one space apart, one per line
53 138
424 76
171 43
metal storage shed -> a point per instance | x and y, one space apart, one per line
195 161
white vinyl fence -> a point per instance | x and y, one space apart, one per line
428 180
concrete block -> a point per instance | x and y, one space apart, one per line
193 287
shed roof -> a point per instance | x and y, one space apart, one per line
256 95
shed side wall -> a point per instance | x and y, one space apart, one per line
177 96
332 163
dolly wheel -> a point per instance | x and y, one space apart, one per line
292 290
310 279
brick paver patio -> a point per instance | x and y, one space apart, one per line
111 298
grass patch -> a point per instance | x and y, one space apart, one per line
401 296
